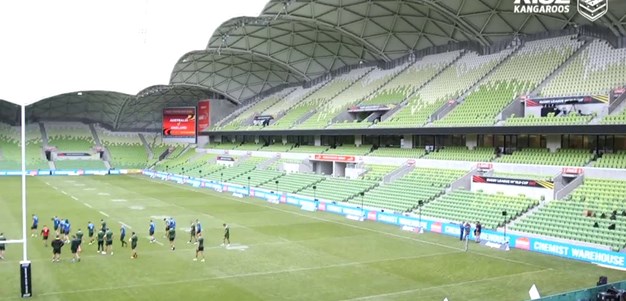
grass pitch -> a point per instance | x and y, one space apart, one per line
278 252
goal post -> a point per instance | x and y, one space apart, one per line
26 288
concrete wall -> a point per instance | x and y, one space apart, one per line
471 141
553 142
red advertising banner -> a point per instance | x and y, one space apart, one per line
340 158
204 114
180 124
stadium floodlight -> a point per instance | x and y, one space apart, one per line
362 208
314 195
276 186
248 185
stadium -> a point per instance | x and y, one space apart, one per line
338 150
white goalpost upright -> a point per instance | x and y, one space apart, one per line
25 270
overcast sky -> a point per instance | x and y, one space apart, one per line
53 47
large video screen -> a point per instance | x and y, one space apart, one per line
179 124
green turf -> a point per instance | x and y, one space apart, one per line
291 255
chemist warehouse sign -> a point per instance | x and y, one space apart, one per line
590 9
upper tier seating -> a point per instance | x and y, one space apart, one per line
69 136
367 84
397 152
241 167
309 149
450 84
615 160
563 157
350 150
575 216
570 119
403 194
596 70
409 80
297 108
10 148
518 75
462 205
252 110
278 147
480 154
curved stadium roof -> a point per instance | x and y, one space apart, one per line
296 40
293 41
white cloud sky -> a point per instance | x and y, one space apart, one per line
53 47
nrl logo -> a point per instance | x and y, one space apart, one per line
593 9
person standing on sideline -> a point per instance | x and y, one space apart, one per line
101 242
123 235
2 238
461 230
90 228
479 229
55 224
133 246
171 235
109 242
192 232
56 244
468 227
226 235
200 249
33 228
198 228
45 232
75 248
151 231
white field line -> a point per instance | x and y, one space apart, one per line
88 206
239 275
63 192
409 291
103 213
125 225
74 198
345 224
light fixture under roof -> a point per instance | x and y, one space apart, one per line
79 93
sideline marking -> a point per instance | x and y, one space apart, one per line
63 192
210 192
444 285
243 275
88 205
74 198
103 213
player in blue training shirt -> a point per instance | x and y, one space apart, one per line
123 235
90 229
198 228
151 231
67 230
33 228
172 223
62 229
55 224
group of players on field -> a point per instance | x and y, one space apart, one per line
104 237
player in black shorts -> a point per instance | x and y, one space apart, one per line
56 244
101 242
192 232
226 235
172 236
109 242
2 238
133 245
200 249
75 248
